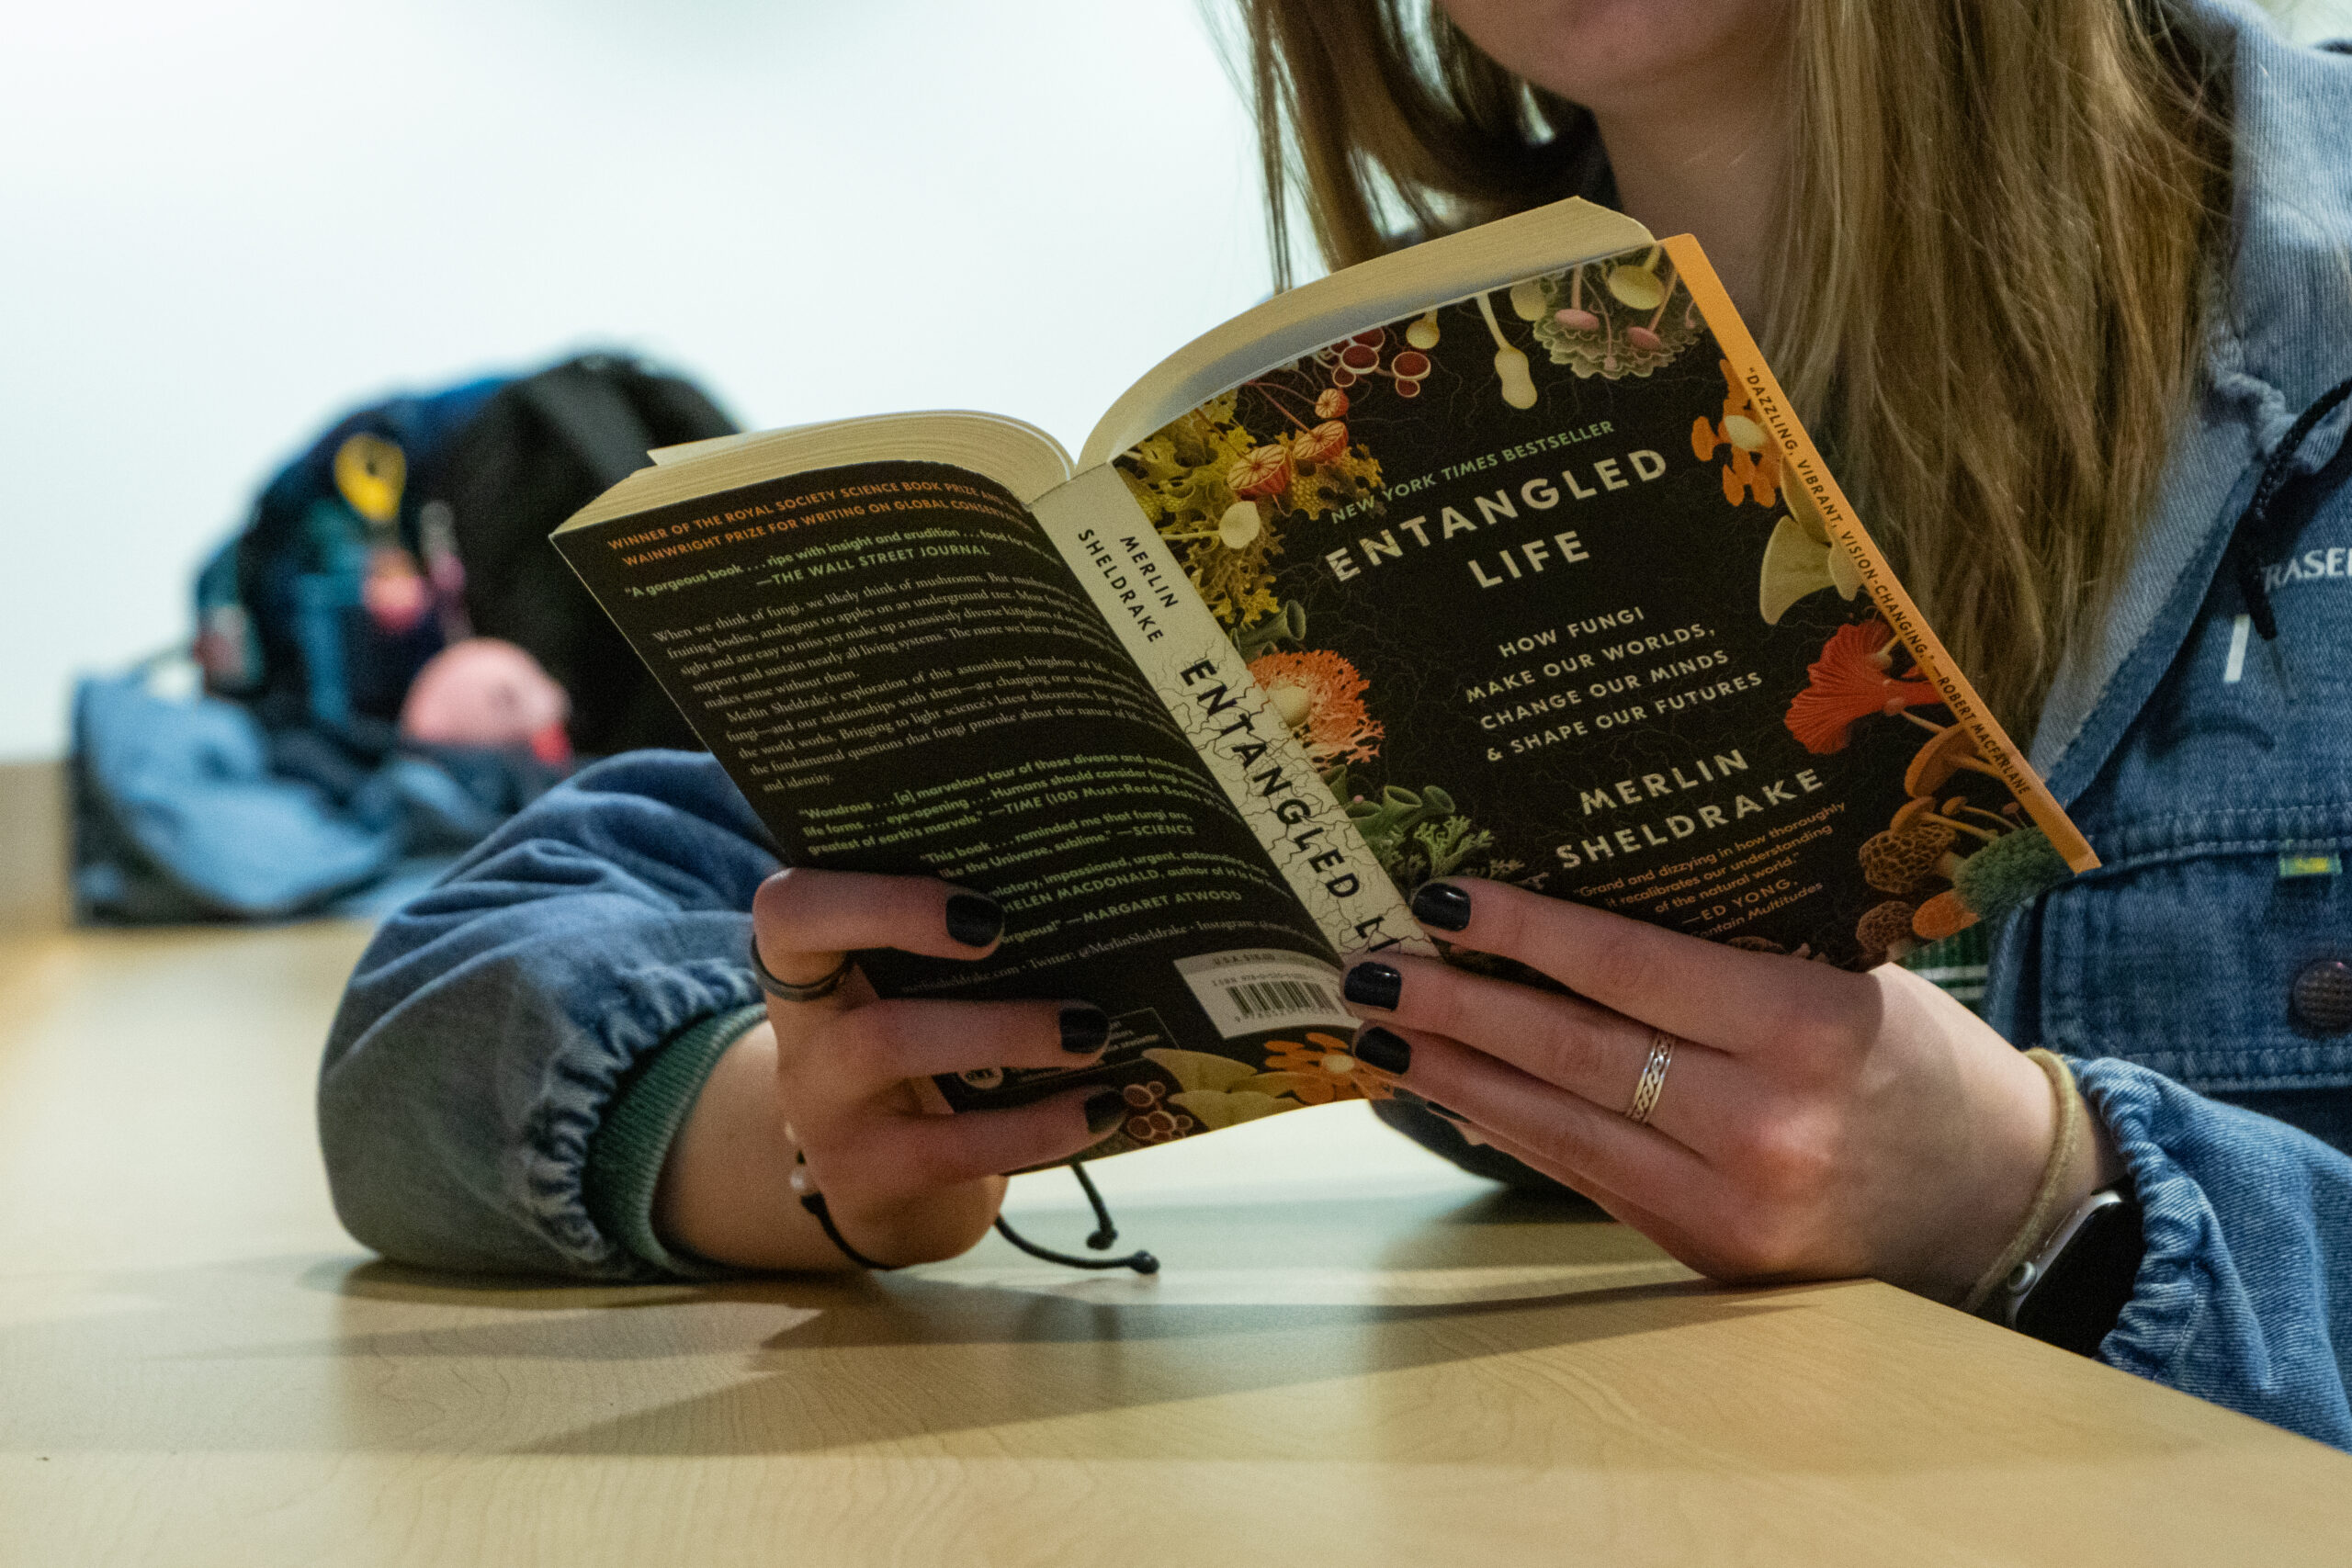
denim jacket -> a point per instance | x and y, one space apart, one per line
2211 769
519 1045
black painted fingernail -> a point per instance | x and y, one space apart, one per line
1378 1049
1373 985
974 920
1085 1029
1443 905
1105 1111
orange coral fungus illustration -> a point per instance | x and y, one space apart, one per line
1320 696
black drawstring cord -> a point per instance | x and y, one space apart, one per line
1105 1234
814 1202
1105 1231
2247 542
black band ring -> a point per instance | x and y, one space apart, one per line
824 986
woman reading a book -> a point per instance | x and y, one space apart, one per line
2065 286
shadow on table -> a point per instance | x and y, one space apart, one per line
1326 1330
1253 1299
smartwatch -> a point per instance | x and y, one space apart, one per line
2070 1293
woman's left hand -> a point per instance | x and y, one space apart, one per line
1813 1122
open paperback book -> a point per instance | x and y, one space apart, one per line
1500 557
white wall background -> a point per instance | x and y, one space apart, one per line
222 222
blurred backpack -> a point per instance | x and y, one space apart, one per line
423 520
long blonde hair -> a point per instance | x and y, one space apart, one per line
1991 274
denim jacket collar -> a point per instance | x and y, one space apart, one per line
2281 334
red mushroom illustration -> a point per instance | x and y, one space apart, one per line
1220 483
1150 1121
1850 682
1263 471
1358 361
1260 471
1324 444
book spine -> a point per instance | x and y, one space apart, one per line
1184 655
1802 465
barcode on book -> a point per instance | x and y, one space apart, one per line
1280 998
1256 989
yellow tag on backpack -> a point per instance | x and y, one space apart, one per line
370 472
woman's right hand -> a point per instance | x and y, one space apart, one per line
831 1080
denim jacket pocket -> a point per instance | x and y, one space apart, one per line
2224 820
2183 954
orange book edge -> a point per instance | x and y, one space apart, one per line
1800 463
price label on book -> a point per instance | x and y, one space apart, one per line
1256 989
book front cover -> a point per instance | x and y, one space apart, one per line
1555 591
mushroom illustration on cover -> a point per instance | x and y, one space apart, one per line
1554 589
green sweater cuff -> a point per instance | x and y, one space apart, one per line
625 1158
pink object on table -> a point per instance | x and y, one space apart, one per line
484 692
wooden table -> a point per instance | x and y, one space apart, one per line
1355 1357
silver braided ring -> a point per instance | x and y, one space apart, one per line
1653 1080
824 986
